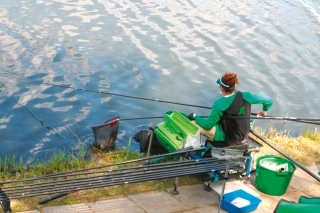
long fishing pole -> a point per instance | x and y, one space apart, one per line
120 95
159 169
97 180
116 172
147 177
274 118
300 121
149 167
132 178
186 150
294 119
285 155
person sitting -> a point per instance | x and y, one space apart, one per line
222 131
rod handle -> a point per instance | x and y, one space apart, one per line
53 197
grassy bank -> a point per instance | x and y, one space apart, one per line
304 149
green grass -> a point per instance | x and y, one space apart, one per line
305 149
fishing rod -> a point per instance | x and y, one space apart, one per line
306 122
295 119
285 155
301 120
63 174
124 172
274 118
133 180
97 180
164 173
103 183
150 167
148 177
120 95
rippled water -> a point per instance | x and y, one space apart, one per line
167 50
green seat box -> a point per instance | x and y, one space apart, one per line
309 200
175 130
291 207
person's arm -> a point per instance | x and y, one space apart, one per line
254 98
211 121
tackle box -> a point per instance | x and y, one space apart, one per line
175 130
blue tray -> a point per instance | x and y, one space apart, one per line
231 196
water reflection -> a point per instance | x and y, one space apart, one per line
165 50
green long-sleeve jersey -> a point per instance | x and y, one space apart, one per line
224 103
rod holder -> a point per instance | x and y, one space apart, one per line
150 140
207 187
226 177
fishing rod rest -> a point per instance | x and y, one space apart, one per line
174 191
5 202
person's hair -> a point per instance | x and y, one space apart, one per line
230 79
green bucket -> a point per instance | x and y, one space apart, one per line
273 174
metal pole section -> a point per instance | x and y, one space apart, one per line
175 185
275 118
223 187
150 142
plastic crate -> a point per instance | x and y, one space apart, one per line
239 201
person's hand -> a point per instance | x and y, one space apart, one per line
262 114
191 116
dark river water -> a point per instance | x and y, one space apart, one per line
55 54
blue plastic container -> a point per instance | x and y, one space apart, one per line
239 195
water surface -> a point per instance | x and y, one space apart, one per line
168 50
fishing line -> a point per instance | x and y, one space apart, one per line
51 130
41 122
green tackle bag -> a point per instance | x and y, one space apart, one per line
177 132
